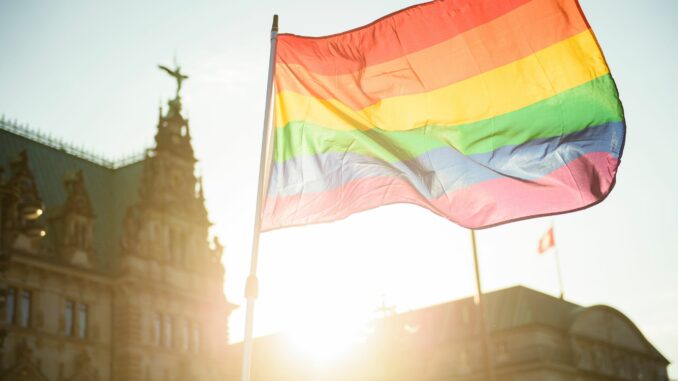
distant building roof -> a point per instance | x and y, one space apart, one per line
515 307
536 331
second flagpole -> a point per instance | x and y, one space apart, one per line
557 258
251 288
486 342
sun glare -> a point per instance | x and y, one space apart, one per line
324 339
323 301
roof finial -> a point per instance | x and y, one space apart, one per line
176 73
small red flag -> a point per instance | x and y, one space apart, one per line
547 241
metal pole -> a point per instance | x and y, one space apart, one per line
489 370
251 288
557 255
560 275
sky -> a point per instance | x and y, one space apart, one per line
87 72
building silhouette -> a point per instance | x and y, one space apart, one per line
534 337
125 285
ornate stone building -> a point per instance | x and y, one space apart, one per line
534 337
125 286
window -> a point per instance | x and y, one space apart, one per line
157 329
75 319
25 308
196 337
10 302
185 335
82 320
68 318
501 352
167 331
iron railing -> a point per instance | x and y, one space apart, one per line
71 149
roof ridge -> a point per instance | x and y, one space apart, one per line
58 144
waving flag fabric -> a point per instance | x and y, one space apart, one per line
482 111
546 242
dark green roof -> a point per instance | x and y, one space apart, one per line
111 190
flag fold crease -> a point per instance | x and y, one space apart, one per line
482 111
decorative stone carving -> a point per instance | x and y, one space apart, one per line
24 368
21 233
73 223
23 351
84 370
217 250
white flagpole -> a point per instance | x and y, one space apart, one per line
557 256
251 288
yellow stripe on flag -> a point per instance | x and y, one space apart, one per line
521 83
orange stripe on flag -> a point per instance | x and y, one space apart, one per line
518 34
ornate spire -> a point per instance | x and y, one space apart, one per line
22 178
77 199
170 219
173 131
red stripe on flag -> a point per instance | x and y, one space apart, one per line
392 36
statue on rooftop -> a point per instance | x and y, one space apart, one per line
176 73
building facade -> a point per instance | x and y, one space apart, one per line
533 337
125 285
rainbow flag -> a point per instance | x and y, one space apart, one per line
482 111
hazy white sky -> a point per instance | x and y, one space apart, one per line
86 71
